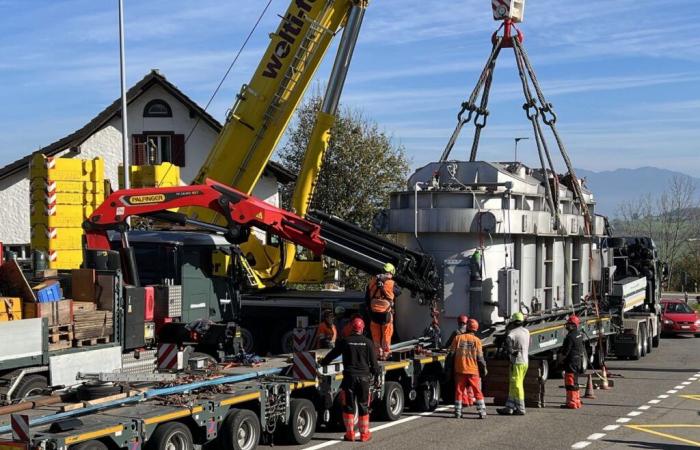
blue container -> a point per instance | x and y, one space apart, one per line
48 292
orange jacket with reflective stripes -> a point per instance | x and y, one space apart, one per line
468 352
381 298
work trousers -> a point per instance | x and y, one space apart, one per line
463 384
355 389
516 388
573 397
381 336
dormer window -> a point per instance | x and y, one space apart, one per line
157 108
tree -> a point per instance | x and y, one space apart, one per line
361 167
670 218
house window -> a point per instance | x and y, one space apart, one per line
153 148
157 108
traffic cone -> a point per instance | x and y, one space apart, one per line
606 385
589 388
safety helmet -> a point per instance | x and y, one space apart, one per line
358 325
472 325
573 320
339 310
389 268
517 317
462 319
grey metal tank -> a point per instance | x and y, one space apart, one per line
496 242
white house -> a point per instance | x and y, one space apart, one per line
176 129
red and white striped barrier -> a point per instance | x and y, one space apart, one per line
20 427
304 366
299 337
169 357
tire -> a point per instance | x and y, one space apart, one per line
89 391
302 422
697 335
643 339
601 355
650 343
637 349
392 402
287 342
29 386
248 340
171 436
89 445
428 396
240 430
656 340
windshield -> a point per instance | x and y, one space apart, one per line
678 308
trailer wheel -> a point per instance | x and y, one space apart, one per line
637 348
287 342
428 396
89 445
240 430
29 386
643 339
650 343
656 340
302 421
248 340
171 436
391 405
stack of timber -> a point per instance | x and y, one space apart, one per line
496 383
91 326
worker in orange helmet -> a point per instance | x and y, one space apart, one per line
359 363
380 294
327 332
468 366
570 355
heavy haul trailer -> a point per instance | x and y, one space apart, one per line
237 410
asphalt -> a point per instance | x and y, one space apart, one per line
627 416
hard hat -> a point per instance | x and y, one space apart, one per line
462 319
517 317
358 325
339 310
472 325
389 268
573 320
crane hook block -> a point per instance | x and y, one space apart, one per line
513 10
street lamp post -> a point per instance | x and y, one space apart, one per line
518 139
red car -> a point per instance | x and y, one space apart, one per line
679 318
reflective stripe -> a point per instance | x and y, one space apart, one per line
93 434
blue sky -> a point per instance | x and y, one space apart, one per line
623 74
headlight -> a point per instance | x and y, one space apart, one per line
697 322
668 322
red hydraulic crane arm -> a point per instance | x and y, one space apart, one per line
241 211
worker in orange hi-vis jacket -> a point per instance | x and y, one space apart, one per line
469 363
380 294
327 332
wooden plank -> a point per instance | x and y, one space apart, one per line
105 399
72 406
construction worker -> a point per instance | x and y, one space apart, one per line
469 363
327 333
359 363
347 329
517 346
570 355
380 294
461 329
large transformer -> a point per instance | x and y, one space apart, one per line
499 247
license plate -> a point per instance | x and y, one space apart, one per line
685 327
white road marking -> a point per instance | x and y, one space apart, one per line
382 427
663 396
623 420
644 407
679 387
595 436
672 391
635 413
692 379
685 383
611 427
582 444
655 401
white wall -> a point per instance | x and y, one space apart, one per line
107 144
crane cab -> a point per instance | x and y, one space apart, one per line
513 10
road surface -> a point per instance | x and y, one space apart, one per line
655 404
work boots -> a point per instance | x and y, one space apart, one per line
349 422
363 425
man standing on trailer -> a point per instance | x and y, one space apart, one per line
359 363
570 354
517 347
381 295
327 332
469 362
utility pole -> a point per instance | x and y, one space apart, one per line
122 72
518 139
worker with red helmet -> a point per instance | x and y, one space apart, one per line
359 364
469 364
461 329
571 355
347 329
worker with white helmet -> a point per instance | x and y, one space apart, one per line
380 296
517 347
